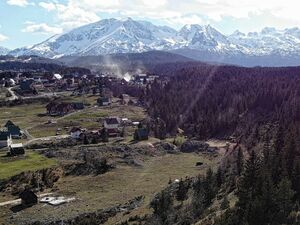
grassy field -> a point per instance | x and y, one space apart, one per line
119 186
89 118
32 116
30 162
24 115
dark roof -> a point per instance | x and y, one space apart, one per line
112 120
103 99
3 135
14 130
75 129
28 197
9 123
142 132
78 105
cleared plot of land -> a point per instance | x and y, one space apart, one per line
30 162
118 186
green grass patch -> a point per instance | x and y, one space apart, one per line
30 162
24 115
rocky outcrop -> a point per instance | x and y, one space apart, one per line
92 166
40 179
196 146
98 217
166 147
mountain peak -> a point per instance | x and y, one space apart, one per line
4 51
109 36
238 33
268 30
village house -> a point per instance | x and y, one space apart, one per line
76 132
141 134
13 130
28 198
14 149
9 130
103 101
27 86
3 137
59 109
112 126
78 105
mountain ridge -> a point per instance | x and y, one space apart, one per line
113 36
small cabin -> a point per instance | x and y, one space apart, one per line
76 132
103 101
16 149
112 126
59 109
28 198
141 134
3 137
13 130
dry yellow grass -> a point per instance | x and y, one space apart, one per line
120 185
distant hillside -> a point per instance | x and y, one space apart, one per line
122 63
29 63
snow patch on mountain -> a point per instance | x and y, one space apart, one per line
4 51
111 36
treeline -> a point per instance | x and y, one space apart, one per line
263 189
258 106
218 101
18 66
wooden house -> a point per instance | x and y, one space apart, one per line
59 109
13 130
113 126
141 134
103 101
28 198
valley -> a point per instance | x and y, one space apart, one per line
124 122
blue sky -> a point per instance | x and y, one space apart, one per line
27 22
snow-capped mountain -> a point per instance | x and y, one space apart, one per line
105 37
3 51
269 41
201 42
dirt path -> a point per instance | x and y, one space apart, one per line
49 138
13 95
18 201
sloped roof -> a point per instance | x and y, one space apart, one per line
112 120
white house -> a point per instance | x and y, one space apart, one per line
57 76
76 132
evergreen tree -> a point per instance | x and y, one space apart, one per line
248 187
181 193
220 177
284 196
225 203
198 198
163 206
240 161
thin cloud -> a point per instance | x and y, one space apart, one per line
74 13
3 37
42 28
20 3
